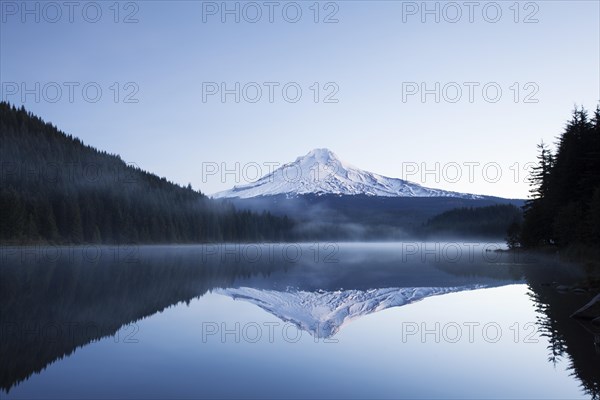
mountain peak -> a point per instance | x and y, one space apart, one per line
322 154
320 172
319 159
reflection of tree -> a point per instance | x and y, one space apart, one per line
569 338
49 309
547 326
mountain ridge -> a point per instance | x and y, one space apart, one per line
321 172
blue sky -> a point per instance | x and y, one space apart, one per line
367 61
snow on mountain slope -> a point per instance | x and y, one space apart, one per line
322 313
322 172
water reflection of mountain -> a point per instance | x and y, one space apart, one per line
323 314
50 307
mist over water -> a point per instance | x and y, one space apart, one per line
300 319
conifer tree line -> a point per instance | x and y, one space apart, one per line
564 208
56 189
474 222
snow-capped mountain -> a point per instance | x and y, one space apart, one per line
323 313
322 172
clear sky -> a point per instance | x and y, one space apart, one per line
170 56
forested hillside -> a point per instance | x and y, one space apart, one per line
56 189
480 222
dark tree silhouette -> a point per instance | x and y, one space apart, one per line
564 207
56 189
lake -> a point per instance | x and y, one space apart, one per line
336 320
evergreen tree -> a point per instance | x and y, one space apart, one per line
563 208
536 208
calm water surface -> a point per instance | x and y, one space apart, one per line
393 320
